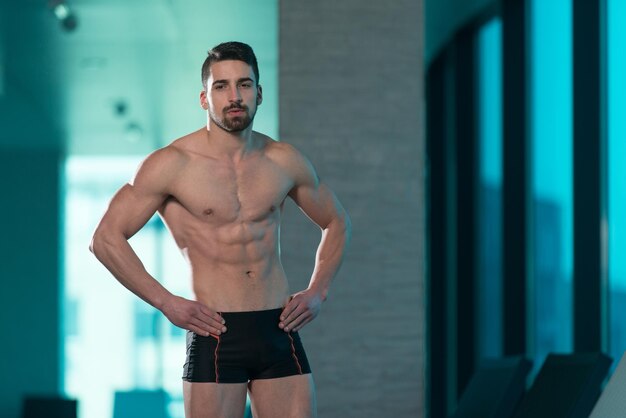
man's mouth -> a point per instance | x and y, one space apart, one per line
236 110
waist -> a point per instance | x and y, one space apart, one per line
241 294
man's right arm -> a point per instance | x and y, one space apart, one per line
129 210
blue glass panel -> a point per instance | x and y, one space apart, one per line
616 16
551 133
489 85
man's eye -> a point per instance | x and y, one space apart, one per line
246 85
219 87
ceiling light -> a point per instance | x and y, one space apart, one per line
64 15
61 11
133 132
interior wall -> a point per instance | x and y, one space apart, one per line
30 352
30 109
29 271
351 98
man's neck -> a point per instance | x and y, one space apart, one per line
233 145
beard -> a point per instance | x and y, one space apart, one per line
232 123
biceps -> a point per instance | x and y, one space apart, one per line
319 203
129 210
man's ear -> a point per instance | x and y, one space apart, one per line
204 103
259 95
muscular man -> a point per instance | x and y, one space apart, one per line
220 190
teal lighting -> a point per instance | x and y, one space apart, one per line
489 93
550 110
616 98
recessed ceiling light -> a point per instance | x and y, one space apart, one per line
61 11
64 15
120 107
133 132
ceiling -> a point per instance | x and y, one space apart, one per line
127 80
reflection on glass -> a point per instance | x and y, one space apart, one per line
616 13
551 133
490 190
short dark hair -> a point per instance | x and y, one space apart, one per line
230 51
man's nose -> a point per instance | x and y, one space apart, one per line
235 95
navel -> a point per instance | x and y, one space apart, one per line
208 212
251 274
272 208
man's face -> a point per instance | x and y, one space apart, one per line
232 95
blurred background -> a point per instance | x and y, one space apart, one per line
526 189
476 144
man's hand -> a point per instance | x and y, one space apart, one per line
194 316
302 308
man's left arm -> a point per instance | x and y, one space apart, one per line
321 205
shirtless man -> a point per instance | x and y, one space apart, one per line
220 190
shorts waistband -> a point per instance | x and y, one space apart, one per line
243 314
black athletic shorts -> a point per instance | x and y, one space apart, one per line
253 347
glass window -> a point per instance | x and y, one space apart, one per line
113 340
490 190
551 133
616 15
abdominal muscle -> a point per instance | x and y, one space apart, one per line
236 266
225 287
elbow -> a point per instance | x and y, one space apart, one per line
99 239
94 244
343 225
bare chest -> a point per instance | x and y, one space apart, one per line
217 192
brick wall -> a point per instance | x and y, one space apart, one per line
351 98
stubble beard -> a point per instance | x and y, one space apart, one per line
235 123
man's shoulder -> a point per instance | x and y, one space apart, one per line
293 161
283 151
161 165
179 151
169 156
186 145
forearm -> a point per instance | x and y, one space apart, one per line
116 254
329 256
